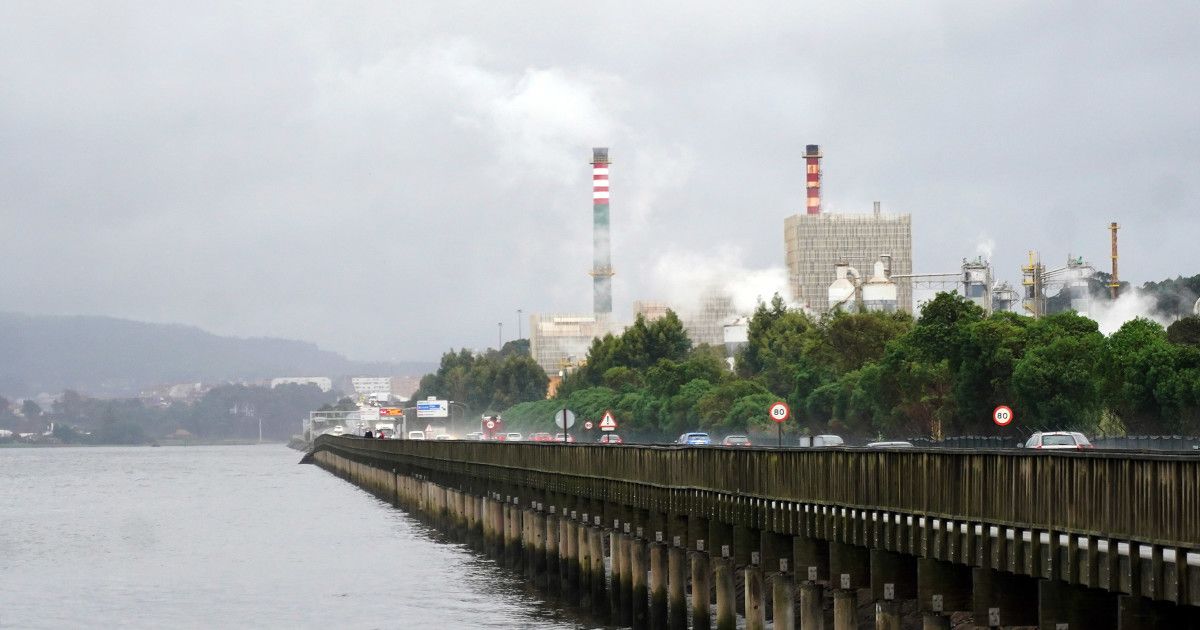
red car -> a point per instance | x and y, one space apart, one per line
611 438
541 437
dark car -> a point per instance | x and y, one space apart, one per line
736 440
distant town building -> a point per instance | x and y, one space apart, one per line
816 244
323 383
366 385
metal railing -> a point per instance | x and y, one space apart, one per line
1152 498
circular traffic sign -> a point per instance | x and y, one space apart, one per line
491 424
780 412
1002 416
564 418
588 425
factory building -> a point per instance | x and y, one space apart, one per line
817 242
706 324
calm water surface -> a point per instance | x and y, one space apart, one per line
229 537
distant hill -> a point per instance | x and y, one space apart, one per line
113 357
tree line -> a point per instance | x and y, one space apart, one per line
874 374
226 412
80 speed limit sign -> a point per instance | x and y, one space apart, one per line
780 412
1002 416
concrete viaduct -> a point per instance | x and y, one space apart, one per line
1079 540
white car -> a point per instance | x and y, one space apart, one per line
339 430
818 441
474 435
416 435
1058 441
513 437
891 444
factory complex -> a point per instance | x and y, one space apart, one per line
835 261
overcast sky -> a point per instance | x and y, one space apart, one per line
392 179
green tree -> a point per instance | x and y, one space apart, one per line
1185 331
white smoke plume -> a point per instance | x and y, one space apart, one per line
1129 305
985 246
683 279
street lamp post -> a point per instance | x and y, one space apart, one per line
499 335
519 321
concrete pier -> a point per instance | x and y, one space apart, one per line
1008 564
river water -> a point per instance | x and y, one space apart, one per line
230 537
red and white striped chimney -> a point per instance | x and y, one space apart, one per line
812 160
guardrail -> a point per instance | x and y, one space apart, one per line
1151 498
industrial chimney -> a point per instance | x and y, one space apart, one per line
602 272
812 159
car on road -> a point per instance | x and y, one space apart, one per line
820 441
891 444
611 438
443 436
736 440
694 438
513 437
1058 441
541 436
385 433
339 430
416 435
474 435
563 437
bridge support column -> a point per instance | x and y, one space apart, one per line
893 578
596 556
677 571
638 566
935 621
887 615
614 560
533 543
658 585
726 595
570 566
783 596
943 587
537 530
756 605
845 609
701 612
625 547
1004 599
812 612
584 560
552 564
1076 606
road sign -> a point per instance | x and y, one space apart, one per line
428 429
391 411
368 414
433 408
780 412
1002 416
588 425
564 418
490 424
608 422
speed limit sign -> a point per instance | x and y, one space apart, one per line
491 424
1002 416
780 412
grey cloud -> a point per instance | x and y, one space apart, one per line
392 179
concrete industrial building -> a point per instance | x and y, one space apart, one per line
816 242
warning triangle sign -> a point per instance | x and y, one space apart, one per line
608 422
